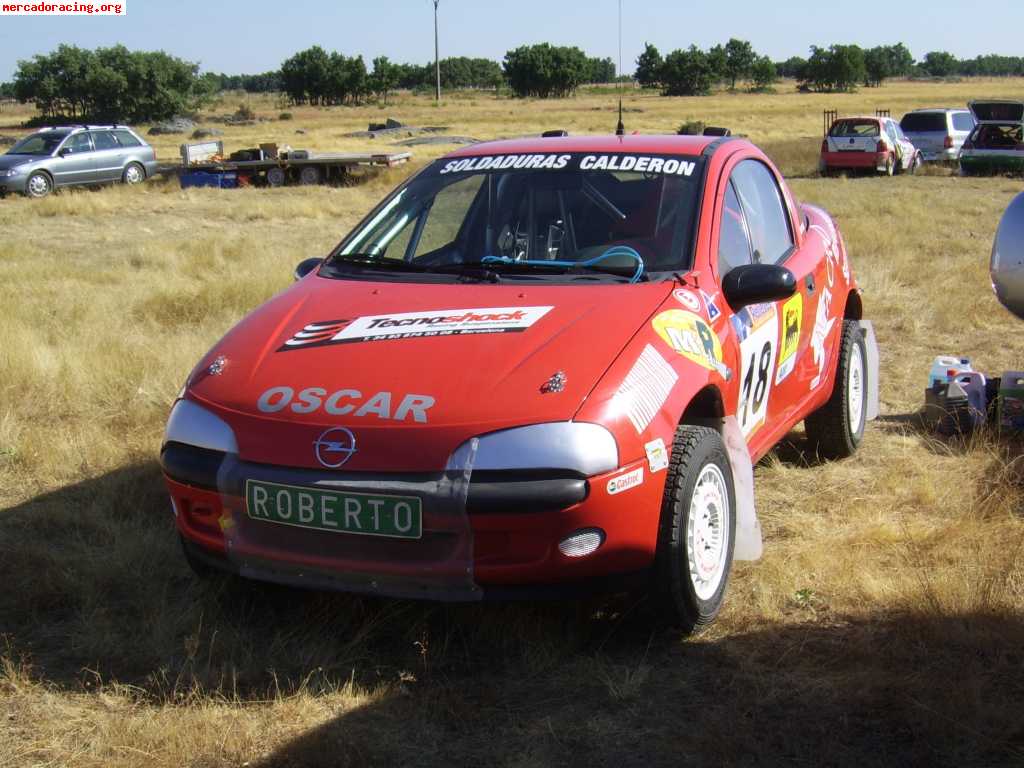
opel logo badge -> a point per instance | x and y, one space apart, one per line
334 447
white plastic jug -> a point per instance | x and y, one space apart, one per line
946 367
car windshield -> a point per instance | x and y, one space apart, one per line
38 144
556 216
923 122
855 128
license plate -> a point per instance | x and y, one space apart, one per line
339 511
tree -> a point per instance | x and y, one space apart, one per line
687 73
717 58
837 68
648 67
739 58
384 77
545 70
762 73
940 63
110 85
793 67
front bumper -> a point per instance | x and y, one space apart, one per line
510 542
13 184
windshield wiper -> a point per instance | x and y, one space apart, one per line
375 262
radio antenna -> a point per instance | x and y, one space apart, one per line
620 129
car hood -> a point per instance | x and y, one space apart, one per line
413 369
11 161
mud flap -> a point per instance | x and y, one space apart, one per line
871 406
748 528
353 532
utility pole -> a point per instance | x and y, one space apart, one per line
437 59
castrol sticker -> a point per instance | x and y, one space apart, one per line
625 481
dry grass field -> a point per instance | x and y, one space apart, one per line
884 625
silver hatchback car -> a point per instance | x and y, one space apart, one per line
938 133
75 155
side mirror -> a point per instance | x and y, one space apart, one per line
306 266
65 151
757 283
1007 264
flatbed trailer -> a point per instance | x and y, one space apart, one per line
294 167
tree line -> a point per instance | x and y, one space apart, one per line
117 85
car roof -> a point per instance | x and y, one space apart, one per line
845 118
936 109
668 144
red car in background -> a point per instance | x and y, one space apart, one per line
537 366
868 143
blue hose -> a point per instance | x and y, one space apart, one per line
615 250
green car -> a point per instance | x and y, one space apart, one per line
996 145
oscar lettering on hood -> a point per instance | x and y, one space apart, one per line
406 325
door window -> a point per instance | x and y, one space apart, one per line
765 212
733 240
103 140
79 143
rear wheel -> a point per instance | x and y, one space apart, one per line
915 164
39 184
309 174
890 165
133 174
275 177
836 429
698 528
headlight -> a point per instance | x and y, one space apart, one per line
10 172
192 424
588 449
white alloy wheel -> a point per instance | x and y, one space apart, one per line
39 185
134 174
855 389
707 532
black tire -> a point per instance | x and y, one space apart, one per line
890 165
687 605
831 429
133 174
38 185
915 164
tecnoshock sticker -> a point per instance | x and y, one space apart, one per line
756 327
666 165
792 319
406 325
691 336
688 299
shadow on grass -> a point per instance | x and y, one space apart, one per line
102 593
903 691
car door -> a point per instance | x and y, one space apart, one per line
74 163
773 338
108 156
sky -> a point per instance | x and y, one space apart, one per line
248 36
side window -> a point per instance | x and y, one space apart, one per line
125 139
890 131
78 144
962 121
446 215
103 140
765 212
733 241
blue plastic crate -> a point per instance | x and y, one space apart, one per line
223 180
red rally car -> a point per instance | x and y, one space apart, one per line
538 365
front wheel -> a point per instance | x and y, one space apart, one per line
837 427
39 184
915 164
698 528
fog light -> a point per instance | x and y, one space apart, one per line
582 542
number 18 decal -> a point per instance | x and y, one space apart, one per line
757 328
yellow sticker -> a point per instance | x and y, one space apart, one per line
792 320
691 337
